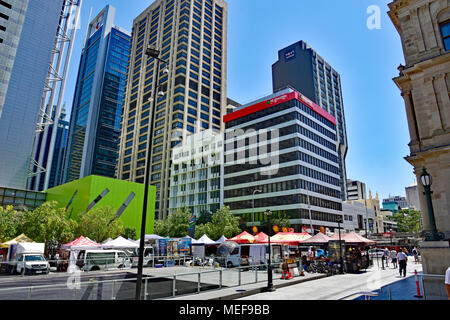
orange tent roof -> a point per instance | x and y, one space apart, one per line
244 237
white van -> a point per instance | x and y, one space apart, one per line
94 260
149 257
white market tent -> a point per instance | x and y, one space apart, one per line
120 243
198 246
222 239
153 237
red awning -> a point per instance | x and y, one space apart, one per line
262 238
81 243
244 237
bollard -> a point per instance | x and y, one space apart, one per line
198 284
417 285
29 293
220 279
239 272
390 294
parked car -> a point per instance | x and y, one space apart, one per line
376 253
94 260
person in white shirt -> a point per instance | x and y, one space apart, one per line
447 282
402 260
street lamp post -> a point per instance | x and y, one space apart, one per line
253 204
270 287
426 182
154 53
392 244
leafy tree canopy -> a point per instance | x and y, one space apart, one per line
99 224
48 224
407 220
10 222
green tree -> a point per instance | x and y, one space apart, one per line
408 220
223 223
178 223
10 221
204 217
129 233
49 224
161 228
99 224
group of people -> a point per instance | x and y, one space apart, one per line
400 258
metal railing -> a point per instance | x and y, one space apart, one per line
154 287
366 295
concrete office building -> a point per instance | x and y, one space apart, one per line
97 106
27 39
196 180
356 215
302 68
192 37
356 190
284 146
412 197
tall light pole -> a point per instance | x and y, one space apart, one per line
426 181
154 53
253 204
270 287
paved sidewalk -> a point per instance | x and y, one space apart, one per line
340 286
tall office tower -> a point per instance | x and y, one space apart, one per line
280 154
356 190
28 33
97 106
192 38
302 68
59 149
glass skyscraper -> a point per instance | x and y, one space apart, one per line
27 37
192 37
302 68
97 107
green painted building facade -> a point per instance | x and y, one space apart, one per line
117 192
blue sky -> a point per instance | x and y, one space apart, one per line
366 59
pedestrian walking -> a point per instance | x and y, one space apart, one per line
394 258
386 256
402 262
415 254
447 282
